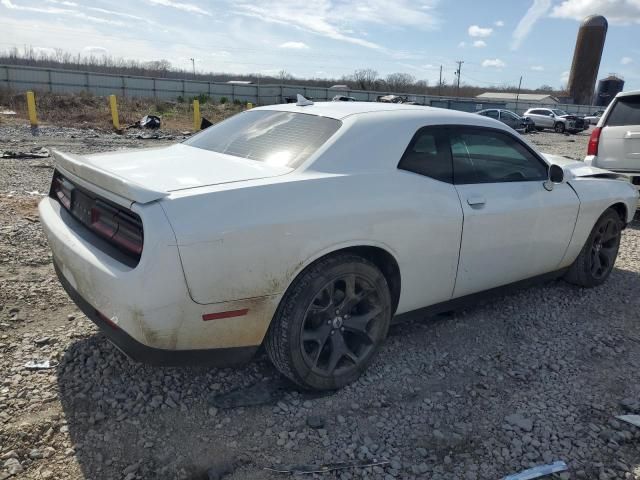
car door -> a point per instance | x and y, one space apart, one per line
509 119
428 244
513 228
546 118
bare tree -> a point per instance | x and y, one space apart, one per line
365 78
399 82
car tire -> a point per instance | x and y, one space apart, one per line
596 259
330 323
559 127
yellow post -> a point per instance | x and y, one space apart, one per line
114 111
196 114
249 105
31 107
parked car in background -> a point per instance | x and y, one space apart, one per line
394 99
615 142
507 117
555 119
343 98
263 230
594 118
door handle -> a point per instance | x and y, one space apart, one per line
476 201
632 135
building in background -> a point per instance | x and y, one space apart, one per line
544 98
607 89
586 59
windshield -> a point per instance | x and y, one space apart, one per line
559 112
276 138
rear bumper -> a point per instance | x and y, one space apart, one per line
220 357
147 311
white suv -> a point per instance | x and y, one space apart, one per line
615 142
557 119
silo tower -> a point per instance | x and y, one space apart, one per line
586 59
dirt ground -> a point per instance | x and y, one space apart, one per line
89 111
526 379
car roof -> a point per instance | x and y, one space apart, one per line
341 110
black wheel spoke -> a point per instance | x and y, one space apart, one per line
352 299
358 323
339 350
595 266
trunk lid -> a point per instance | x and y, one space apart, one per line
146 175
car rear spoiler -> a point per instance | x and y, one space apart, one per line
83 168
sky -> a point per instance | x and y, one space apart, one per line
498 40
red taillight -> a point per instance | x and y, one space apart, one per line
120 227
592 149
62 192
128 236
103 220
116 227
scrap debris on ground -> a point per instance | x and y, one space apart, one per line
473 395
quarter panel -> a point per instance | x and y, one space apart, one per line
250 242
596 195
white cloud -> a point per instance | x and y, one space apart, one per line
535 12
337 21
499 23
294 45
477 31
65 3
621 12
92 50
494 63
626 60
61 11
185 7
462 44
564 77
537 68
479 44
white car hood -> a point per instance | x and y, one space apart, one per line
575 168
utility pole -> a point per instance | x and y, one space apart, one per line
193 64
518 94
440 83
459 62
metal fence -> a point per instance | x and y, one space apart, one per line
20 79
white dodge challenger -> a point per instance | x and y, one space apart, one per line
309 228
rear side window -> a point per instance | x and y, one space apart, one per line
276 138
626 111
492 114
488 156
428 154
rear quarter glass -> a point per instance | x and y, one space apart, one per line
625 111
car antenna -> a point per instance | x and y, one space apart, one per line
303 102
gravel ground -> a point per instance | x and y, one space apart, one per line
525 379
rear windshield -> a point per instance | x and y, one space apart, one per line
626 111
277 138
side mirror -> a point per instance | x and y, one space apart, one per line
556 173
